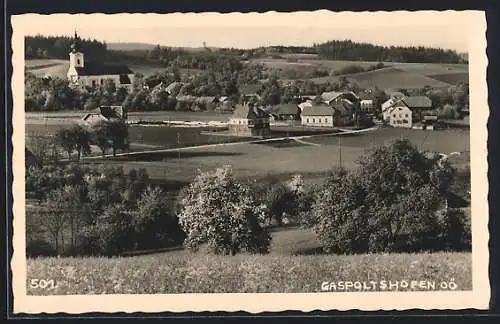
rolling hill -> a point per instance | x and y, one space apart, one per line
394 75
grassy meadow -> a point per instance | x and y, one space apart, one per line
257 159
202 273
294 264
394 75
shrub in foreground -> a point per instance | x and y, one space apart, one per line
391 202
219 211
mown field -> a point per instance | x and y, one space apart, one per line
59 68
264 159
394 75
201 273
312 157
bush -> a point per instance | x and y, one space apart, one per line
154 223
37 247
339 215
281 201
455 230
218 210
110 233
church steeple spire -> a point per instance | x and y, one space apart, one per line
75 45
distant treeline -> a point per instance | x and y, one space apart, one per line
349 50
58 47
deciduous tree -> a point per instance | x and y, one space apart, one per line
221 212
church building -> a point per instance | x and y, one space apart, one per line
84 73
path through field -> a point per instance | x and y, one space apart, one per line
274 139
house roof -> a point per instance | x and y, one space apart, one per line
329 96
284 109
245 111
318 110
417 102
398 107
389 103
186 98
173 86
344 107
98 68
111 112
305 104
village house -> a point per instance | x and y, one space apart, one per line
417 104
319 115
248 120
288 111
322 115
82 73
400 116
106 114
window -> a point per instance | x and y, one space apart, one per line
405 121
93 83
406 115
394 115
78 61
326 120
102 81
314 120
307 120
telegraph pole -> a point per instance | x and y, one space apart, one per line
340 150
179 151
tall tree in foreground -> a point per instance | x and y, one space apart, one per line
218 210
389 203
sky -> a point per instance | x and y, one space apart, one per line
446 29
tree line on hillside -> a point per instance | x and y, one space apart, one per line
396 199
58 47
349 50
331 50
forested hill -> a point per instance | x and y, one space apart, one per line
349 50
58 47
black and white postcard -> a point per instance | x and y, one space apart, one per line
249 161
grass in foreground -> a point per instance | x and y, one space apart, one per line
189 273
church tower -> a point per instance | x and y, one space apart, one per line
76 55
